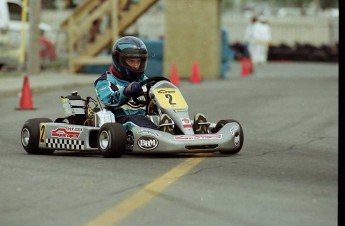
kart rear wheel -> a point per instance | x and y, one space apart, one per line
238 136
111 140
30 136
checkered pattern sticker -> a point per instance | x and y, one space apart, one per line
65 144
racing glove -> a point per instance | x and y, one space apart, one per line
133 90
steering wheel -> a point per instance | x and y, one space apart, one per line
149 83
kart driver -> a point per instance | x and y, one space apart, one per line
116 87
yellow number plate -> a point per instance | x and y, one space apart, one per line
42 133
170 98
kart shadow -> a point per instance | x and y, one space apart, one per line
76 154
142 155
173 155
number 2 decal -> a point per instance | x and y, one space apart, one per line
42 133
170 99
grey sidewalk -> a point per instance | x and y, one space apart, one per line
45 81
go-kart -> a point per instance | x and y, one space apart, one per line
88 126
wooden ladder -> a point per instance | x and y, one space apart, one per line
82 51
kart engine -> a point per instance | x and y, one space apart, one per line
78 110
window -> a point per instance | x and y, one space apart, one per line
15 11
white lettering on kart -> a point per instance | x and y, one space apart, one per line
233 129
147 143
149 132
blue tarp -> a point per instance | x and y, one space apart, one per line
155 58
155 64
227 55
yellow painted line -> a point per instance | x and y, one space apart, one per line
118 212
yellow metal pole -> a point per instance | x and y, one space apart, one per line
114 20
23 41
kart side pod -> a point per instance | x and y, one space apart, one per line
103 116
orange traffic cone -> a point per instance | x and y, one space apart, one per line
26 99
195 76
174 78
245 66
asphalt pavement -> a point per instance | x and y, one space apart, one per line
286 173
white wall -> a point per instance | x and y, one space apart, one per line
289 30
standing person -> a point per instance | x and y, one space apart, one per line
260 41
116 87
258 38
266 38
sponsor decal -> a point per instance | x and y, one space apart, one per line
233 129
199 137
69 132
148 132
186 123
147 143
237 140
179 110
166 91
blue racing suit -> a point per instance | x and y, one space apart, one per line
109 90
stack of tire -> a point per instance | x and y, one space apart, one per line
298 52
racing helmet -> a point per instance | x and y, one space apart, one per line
125 48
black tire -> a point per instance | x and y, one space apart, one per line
220 125
30 136
112 140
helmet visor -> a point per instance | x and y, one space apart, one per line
133 59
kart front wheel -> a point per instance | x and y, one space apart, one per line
30 136
111 140
238 138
